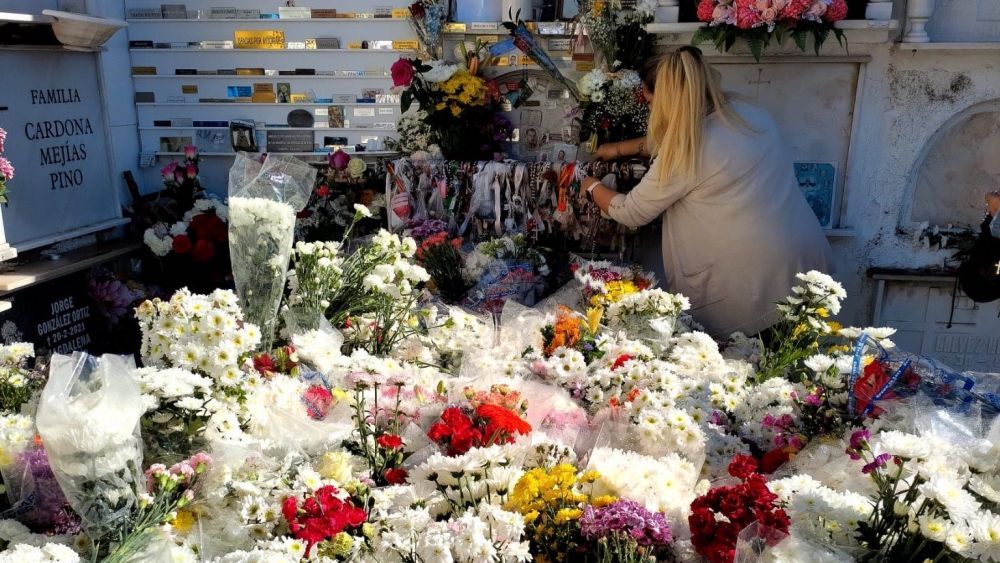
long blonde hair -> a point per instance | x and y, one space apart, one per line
685 90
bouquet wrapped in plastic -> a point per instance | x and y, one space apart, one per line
879 374
263 202
88 418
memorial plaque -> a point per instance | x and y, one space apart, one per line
290 141
260 39
57 140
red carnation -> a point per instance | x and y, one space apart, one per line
203 251
836 11
395 476
705 10
318 400
322 191
774 459
263 363
389 441
621 361
321 516
501 424
742 466
182 244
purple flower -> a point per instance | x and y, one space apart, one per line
626 517
860 438
111 298
6 169
879 462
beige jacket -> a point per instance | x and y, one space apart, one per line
734 238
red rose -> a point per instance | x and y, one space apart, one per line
203 251
742 466
395 476
182 244
322 191
402 73
192 171
389 441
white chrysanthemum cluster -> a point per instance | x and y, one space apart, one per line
199 333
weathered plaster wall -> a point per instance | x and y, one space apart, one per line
907 98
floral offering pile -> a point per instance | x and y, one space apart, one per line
383 427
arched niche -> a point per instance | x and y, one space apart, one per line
961 162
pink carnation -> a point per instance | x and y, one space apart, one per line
836 11
6 169
706 10
817 10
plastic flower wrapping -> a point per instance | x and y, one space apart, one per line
264 199
598 426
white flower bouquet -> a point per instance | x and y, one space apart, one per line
263 200
88 418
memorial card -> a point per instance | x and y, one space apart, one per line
335 117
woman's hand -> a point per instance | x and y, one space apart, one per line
993 202
608 151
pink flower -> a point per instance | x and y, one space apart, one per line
192 171
708 10
817 10
402 73
190 151
339 160
769 15
3 138
722 14
168 171
6 169
794 9
746 16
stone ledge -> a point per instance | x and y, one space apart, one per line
857 32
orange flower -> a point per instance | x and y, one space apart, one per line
566 332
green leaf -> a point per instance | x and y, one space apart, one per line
702 35
756 42
821 35
800 39
730 39
779 34
406 101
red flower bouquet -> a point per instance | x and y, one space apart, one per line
718 517
757 21
321 516
458 431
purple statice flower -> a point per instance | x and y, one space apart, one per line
626 517
880 461
424 229
49 510
111 298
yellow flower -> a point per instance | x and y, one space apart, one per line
440 106
567 515
184 521
335 466
589 476
594 315
823 312
834 327
530 517
455 110
800 330
603 500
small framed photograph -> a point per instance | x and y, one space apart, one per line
335 117
817 180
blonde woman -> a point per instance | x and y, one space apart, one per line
736 228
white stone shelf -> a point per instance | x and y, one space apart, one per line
43 270
321 154
267 20
840 233
268 104
948 46
856 31
201 50
276 128
289 77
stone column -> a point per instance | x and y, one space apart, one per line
917 14
667 11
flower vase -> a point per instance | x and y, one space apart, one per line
917 14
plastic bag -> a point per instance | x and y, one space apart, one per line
505 280
894 375
88 418
263 202
760 544
34 494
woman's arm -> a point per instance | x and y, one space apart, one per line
622 149
647 201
